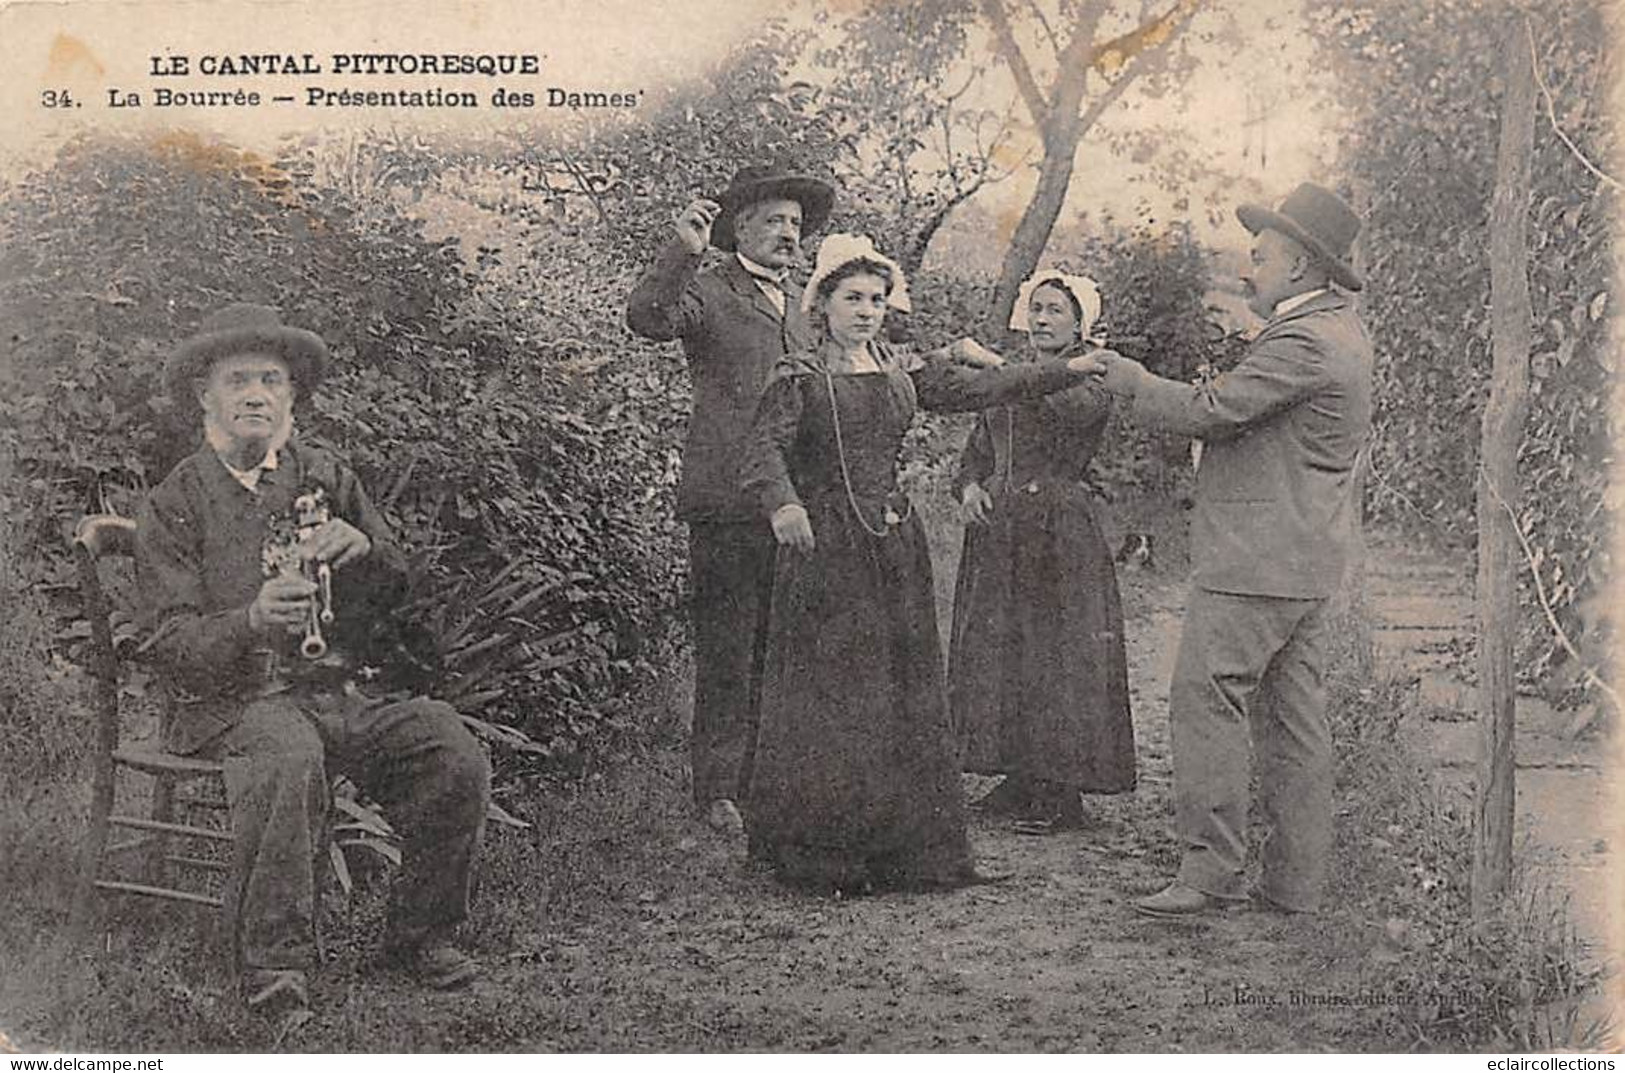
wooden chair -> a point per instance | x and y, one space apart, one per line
160 841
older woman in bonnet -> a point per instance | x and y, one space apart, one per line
1039 680
855 782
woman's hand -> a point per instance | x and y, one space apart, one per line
968 351
791 527
974 503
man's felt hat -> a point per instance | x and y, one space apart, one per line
768 182
245 328
1320 221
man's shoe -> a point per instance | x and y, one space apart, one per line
1178 900
1263 903
723 816
438 964
274 992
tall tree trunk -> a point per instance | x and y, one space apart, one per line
1037 221
1498 488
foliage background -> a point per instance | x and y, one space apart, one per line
1424 177
525 443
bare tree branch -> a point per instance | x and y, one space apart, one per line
1004 41
1586 670
1551 114
1142 46
1038 13
1148 35
970 80
585 186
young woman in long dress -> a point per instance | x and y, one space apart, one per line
855 781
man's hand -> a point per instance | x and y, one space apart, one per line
1121 376
693 224
1087 363
974 503
968 351
282 601
336 542
791 527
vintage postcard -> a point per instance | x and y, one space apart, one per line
822 525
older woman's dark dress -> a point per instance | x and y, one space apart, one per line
855 781
1039 685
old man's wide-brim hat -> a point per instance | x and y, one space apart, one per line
1319 220
771 182
245 328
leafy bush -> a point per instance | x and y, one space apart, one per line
480 437
43 725
1403 863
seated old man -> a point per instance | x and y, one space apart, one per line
239 552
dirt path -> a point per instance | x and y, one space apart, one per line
621 923
689 948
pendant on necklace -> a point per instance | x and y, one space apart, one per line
891 517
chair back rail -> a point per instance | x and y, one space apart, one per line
97 536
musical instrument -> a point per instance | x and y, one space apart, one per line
281 557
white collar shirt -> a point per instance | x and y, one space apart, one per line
767 280
250 478
1287 305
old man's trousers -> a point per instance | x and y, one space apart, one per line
413 757
1250 667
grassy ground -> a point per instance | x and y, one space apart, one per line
618 922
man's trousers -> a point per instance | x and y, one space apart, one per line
413 757
731 577
1250 667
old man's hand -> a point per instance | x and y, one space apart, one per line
336 542
283 601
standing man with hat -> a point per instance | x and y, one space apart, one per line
736 320
1274 521
227 640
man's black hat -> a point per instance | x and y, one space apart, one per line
769 182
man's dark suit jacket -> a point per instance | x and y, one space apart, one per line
732 336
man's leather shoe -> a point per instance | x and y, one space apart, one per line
275 991
437 964
1263 903
723 816
1179 900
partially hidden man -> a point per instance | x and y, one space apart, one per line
735 320
228 640
1273 526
